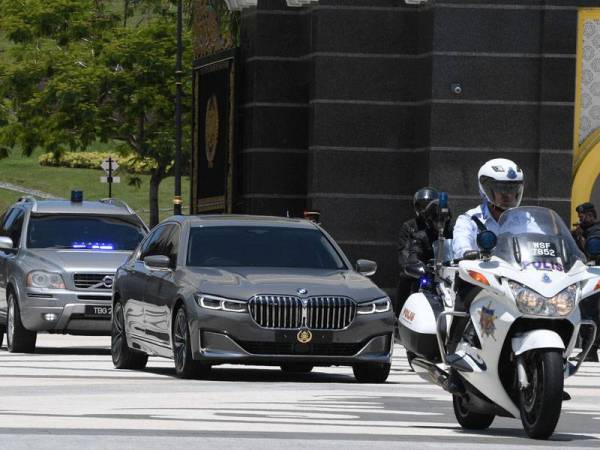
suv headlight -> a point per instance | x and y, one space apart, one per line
530 302
41 279
380 305
221 304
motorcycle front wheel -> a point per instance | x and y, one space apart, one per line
541 402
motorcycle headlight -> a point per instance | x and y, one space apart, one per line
41 279
221 304
530 302
376 306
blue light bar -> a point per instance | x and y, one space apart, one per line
93 245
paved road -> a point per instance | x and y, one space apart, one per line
68 396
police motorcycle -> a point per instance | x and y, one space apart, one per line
520 320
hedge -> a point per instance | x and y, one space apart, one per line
92 160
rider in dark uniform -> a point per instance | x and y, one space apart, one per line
587 227
415 244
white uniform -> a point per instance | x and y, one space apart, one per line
464 235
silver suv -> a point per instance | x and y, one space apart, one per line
57 263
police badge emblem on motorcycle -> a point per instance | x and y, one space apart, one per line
487 321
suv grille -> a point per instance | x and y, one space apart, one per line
92 280
317 313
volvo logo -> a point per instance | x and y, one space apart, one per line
302 291
107 281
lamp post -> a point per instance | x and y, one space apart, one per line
177 210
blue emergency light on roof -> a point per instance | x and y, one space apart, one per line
77 196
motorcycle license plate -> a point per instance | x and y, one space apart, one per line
98 312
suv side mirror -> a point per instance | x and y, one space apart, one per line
366 267
158 262
6 242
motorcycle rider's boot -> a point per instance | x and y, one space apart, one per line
592 356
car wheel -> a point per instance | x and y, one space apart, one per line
122 356
371 372
185 365
18 338
297 367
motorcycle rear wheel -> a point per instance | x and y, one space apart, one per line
541 402
470 420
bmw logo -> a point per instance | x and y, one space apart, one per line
511 174
302 291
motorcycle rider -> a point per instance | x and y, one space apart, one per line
501 188
501 183
415 244
587 227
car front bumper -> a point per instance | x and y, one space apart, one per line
219 337
70 315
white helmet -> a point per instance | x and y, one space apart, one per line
501 183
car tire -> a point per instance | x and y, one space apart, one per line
18 338
297 367
122 356
371 372
185 365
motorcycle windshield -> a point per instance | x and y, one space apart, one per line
536 238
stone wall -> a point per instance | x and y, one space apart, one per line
348 107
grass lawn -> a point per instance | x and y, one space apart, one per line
26 172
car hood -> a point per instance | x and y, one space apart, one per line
244 283
75 260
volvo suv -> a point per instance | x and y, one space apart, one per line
58 259
211 290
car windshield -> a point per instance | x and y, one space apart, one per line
81 231
261 246
536 238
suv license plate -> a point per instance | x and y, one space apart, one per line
98 311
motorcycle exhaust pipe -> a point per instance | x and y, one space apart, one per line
430 372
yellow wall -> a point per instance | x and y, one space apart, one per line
586 154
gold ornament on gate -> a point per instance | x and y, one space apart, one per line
304 336
211 130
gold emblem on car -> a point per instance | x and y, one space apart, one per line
304 336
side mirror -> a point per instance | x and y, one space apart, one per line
592 247
415 270
6 242
486 241
366 267
158 262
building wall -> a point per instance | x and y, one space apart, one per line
347 108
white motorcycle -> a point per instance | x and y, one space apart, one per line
515 308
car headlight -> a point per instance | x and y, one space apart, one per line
220 304
41 279
380 305
530 302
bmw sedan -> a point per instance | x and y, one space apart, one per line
209 290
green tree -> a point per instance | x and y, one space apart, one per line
79 72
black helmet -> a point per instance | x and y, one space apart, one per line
425 199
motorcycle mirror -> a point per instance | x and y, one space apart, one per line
486 240
416 270
592 247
